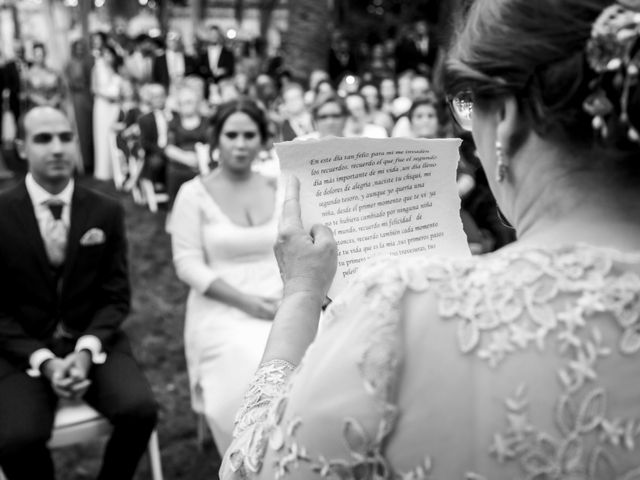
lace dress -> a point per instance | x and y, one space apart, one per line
522 364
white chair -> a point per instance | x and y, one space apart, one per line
76 422
142 189
150 196
203 152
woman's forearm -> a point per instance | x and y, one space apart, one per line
223 292
294 328
178 155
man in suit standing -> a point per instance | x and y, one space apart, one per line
12 74
171 66
341 61
418 51
64 292
215 61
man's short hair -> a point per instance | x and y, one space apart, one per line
21 129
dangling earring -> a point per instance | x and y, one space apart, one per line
501 165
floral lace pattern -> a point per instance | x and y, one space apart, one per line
268 384
502 304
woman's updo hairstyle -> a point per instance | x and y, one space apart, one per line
537 51
240 105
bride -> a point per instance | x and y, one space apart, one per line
521 364
222 229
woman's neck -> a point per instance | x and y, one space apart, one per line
190 121
550 205
235 176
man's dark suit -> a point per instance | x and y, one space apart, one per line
226 60
11 80
160 69
88 295
338 66
409 57
155 161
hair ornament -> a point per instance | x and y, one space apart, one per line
613 53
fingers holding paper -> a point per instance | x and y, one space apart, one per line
307 260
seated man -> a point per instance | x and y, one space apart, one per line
154 128
64 292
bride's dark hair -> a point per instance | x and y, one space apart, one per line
243 105
536 50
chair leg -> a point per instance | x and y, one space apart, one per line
149 194
153 450
202 431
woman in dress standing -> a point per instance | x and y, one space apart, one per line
43 85
521 364
223 228
105 85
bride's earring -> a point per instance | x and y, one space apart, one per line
501 165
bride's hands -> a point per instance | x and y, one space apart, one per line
261 307
307 261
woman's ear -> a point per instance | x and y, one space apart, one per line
512 128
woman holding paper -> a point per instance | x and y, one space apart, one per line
521 364
223 227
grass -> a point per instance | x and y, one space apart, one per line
155 328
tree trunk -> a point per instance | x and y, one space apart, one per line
121 8
306 44
266 12
198 9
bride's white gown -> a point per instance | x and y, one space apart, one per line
522 364
223 345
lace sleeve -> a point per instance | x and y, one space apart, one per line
244 456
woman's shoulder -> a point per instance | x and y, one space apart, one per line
511 298
192 190
517 276
520 264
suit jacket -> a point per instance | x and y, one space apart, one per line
226 60
149 134
160 69
10 77
90 296
409 57
337 69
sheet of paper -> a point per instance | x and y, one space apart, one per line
393 196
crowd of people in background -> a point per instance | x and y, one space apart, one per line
157 98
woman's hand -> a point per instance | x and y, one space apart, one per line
261 307
307 261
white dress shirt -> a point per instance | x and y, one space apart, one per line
39 198
213 53
162 126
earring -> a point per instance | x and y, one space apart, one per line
501 165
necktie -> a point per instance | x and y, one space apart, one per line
55 236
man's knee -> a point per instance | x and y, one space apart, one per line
142 412
18 441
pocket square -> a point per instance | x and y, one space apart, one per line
93 236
